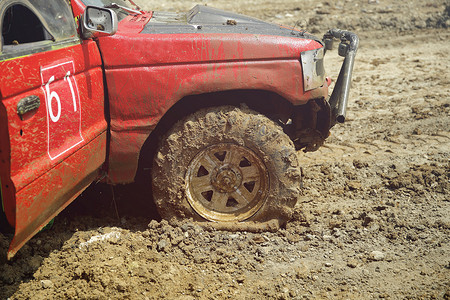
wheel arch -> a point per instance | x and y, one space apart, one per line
268 103
307 125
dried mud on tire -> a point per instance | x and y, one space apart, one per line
261 142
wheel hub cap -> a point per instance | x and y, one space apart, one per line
227 182
226 179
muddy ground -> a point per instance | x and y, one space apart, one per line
373 220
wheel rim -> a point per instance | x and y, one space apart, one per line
226 182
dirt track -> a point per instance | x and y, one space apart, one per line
374 217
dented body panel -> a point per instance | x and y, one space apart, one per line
165 68
177 55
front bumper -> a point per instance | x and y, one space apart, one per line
311 122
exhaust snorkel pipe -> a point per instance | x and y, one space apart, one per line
347 48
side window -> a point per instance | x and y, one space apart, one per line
21 26
31 26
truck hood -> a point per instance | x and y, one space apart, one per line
204 19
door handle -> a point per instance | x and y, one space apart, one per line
28 104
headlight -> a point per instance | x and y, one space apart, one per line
313 70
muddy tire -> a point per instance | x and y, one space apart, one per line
226 164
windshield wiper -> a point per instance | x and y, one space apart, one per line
115 5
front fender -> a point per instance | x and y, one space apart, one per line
156 71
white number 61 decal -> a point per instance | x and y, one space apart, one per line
63 107
50 96
54 95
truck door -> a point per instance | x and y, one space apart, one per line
52 120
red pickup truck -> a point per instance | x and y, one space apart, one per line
215 103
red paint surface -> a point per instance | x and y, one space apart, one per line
50 193
134 23
77 7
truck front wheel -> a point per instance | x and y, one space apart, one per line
226 164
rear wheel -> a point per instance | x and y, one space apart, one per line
226 164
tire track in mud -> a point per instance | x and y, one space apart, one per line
420 147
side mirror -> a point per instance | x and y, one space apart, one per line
98 22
